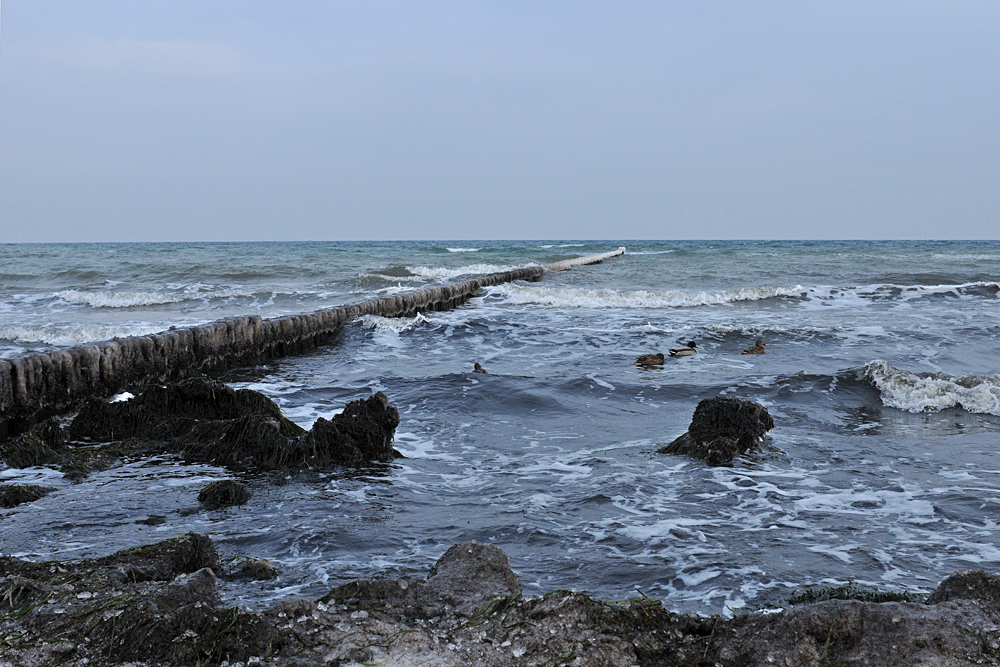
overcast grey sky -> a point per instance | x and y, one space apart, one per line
149 121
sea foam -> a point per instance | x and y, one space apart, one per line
109 299
905 390
569 297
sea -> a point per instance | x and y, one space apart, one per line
882 374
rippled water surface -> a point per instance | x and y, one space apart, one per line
882 373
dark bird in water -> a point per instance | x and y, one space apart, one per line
686 351
758 348
648 360
479 369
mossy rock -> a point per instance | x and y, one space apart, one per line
12 495
224 493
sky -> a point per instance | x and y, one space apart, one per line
245 121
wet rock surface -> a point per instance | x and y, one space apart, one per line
159 605
721 429
206 421
224 493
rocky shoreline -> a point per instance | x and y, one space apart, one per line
160 605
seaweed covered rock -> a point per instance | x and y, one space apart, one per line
224 493
12 495
362 432
208 421
39 445
721 429
182 409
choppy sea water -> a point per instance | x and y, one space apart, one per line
882 373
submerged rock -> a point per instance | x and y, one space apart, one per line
255 569
12 495
468 611
209 422
721 429
224 493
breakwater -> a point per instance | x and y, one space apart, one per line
583 261
38 385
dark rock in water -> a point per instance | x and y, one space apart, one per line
722 428
208 421
224 493
362 432
469 611
152 520
255 569
12 495
193 408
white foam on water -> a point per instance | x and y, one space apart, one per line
123 397
912 392
440 272
127 299
74 333
32 475
394 324
464 249
415 446
571 297
563 245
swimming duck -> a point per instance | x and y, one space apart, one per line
479 369
758 348
648 360
685 351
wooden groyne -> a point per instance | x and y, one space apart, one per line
582 261
37 385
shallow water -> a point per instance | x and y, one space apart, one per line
882 373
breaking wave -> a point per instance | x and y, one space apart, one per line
109 299
912 392
75 334
462 249
440 272
396 324
566 297
570 297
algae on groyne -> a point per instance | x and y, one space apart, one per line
35 386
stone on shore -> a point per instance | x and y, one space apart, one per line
721 429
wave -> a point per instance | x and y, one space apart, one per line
463 249
572 297
396 324
440 272
76 334
125 299
563 245
912 392
566 297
